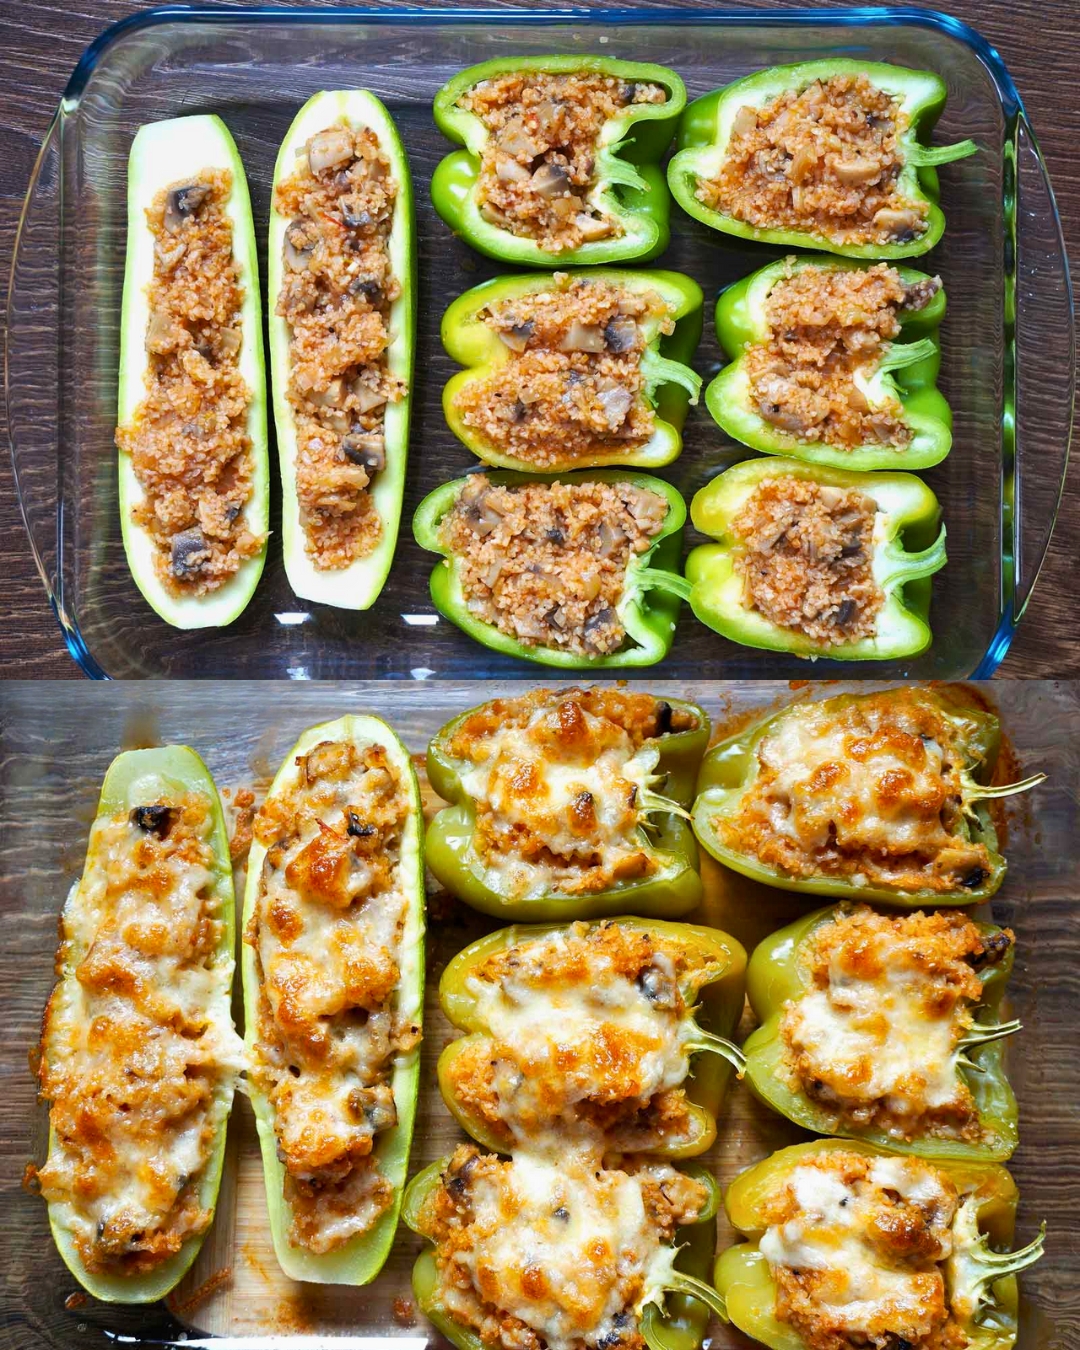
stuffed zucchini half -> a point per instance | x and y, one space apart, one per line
342 319
333 970
194 471
139 1058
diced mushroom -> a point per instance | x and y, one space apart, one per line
610 537
367 398
556 618
333 396
366 449
592 227
620 334
616 404
327 149
566 207
366 286
517 338
919 294
547 114
582 337
845 613
744 121
492 573
855 172
155 819
902 226
551 179
188 554
183 202
597 629
803 162
517 141
629 91
162 334
356 217
493 215
508 170
230 342
298 247
857 399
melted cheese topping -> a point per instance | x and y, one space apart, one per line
327 929
875 1040
139 1053
869 790
856 1247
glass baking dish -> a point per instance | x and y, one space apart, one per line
53 754
1008 341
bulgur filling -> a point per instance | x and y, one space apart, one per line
857 1248
870 790
559 780
337 289
876 1037
824 160
806 559
555 1254
327 931
538 166
188 438
572 386
587 1043
546 563
827 327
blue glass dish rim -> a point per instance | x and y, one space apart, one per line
846 18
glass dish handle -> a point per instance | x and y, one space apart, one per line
1040 373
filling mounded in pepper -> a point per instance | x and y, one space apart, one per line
871 792
337 289
546 562
188 439
560 782
825 160
877 1037
588 1041
573 383
806 558
537 169
134 1061
327 931
555 1254
830 326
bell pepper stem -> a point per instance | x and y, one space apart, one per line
655 578
974 1266
906 567
679 1282
657 370
653 802
903 354
700 1039
926 156
612 170
975 792
987 1034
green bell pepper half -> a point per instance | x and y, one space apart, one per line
908 514
907 372
775 977
140 778
648 608
670 384
628 183
729 771
706 129
360 1259
674 1317
673 890
985 1277
713 995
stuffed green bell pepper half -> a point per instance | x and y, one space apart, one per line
885 1027
568 804
845 1240
139 1058
333 972
834 362
561 158
825 154
608 1035
564 1249
817 561
573 370
878 796
578 571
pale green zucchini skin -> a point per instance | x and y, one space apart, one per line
163 154
360 1259
135 778
358 585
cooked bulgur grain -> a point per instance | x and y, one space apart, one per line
336 292
827 326
188 438
572 386
806 559
545 563
537 168
824 160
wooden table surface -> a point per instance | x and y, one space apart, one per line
41 40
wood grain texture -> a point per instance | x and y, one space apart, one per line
53 755
40 43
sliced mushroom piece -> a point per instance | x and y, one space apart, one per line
188 553
333 396
610 538
903 226
356 217
367 398
600 631
620 334
508 170
583 337
517 338
919 294
551 179
803 162
298 247
368 287
845 614
592 227
518 142
327 149
855 172
182 202
162 335
493 215
616 404
366 449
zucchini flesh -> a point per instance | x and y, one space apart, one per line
163 154
358 585
360 1259
136 778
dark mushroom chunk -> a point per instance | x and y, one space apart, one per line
599 628
374 1106
298 247
358 828
845 613
629 91
551 179
995 947
620 333
367 449
366 286
562 1214
183 202
974 878
155 819
555 536
189 553
354 216
664 715
517 337
330 148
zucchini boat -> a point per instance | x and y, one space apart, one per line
341 244
192 389
333 972
137 1040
